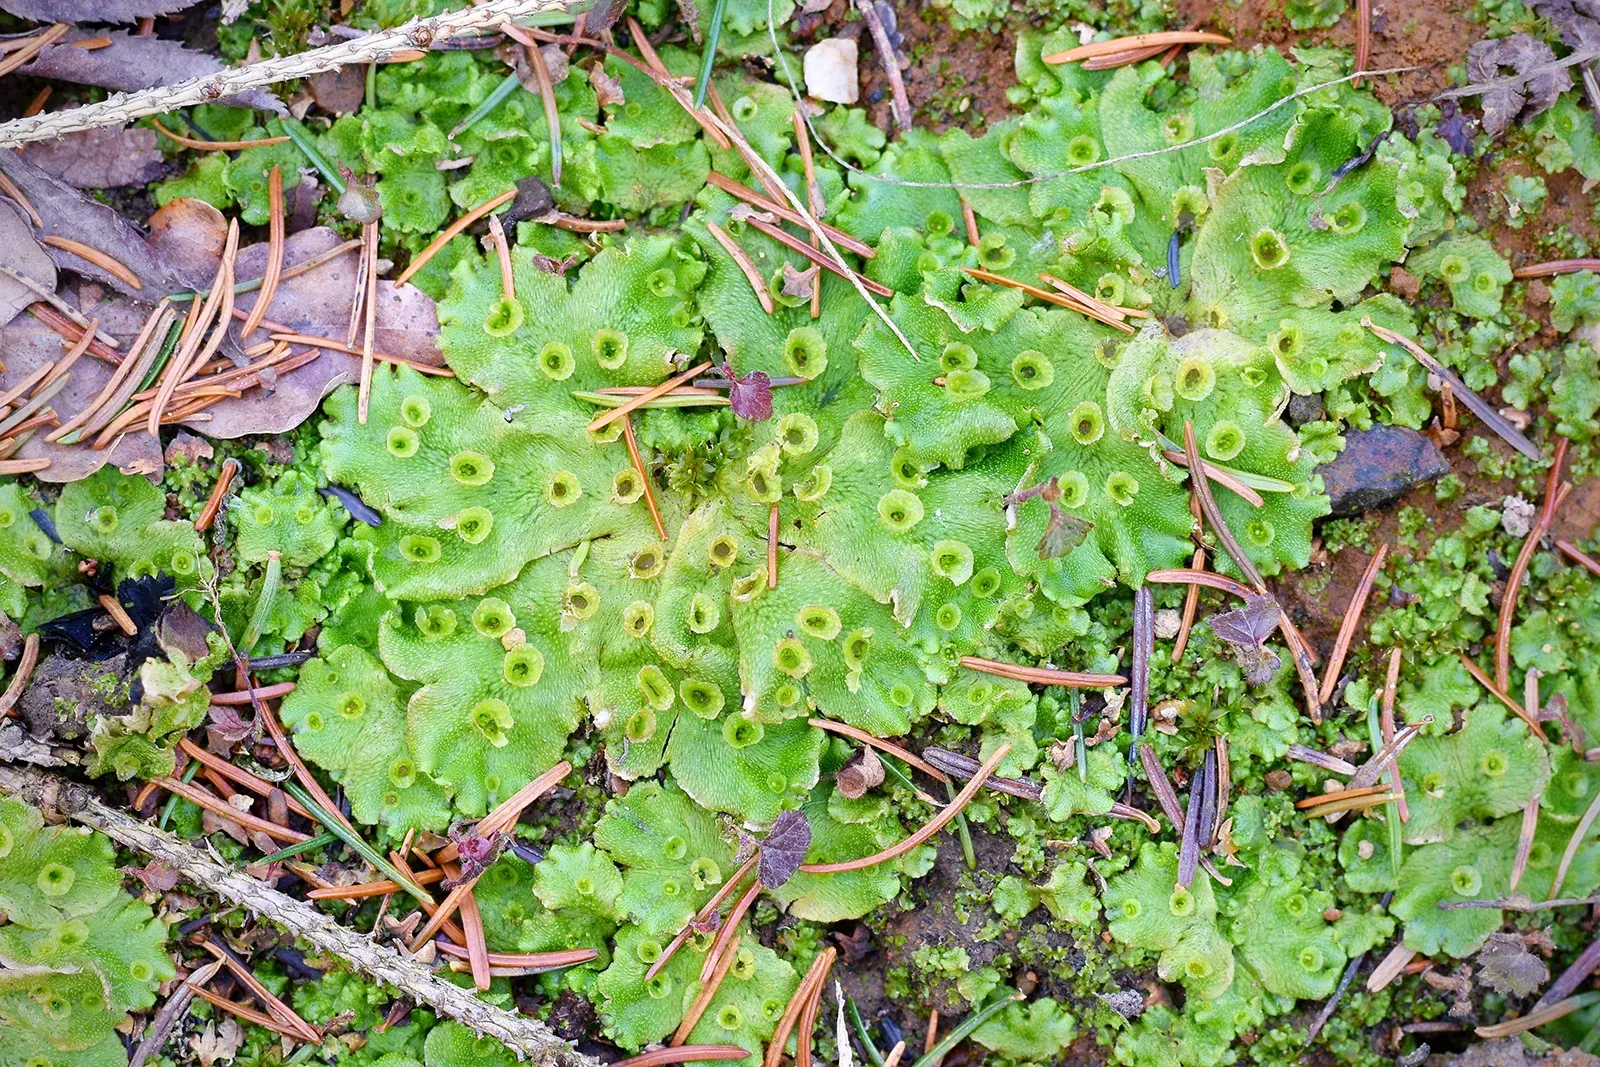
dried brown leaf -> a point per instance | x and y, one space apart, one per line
188 235
218 1043
100 159
341 91
92 10
1540 82
861 772
20 252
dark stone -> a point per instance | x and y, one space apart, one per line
1380 465
1304 409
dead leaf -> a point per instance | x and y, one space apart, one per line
28 344
92 10
218 1042
188 235
131 63
799 283
1506 966
607 90
155 875
317 304
100 159
1577 20
20 252
341 91
861 772
1539 81
69 213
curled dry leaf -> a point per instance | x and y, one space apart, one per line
607 90
218 1042
29 344
861 772
1577 20
783 850
799 283
188 235
92 10
100 159
130 63
1506 966
1245 630
20 252
69 213
1539 81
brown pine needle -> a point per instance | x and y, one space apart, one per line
1475 403
608 417
933 826
382 887
708 990
932 1037
1094 304
472 926
118 613
814 201
1162 40
701 917
16 392
1350 623
548 961
260 692
1363 38
1504 697
508 811
1530 826
820 965
24 466
1048 297
1340 804
1553 495
1191 605
1340 794
1391 685
899 752
1200 486
351 350
219 491
218 806
259 786
806 1027
644 477
1578 556
31 47
249 1015
1555 266
1120 810
787 214
125 379
8 188
274 268
1042 675
369 234
218 310
420 260
772 547
89 254
24 672
285 1014
758 285
214 146
1579 833
74 353
729 929
552 112
683 1053
817 256
502 255
69 322
1536 1018
1227 479
970 220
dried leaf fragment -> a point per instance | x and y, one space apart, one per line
1538 80
861 772
783 850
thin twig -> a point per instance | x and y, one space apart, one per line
1555 266
899 103
1573 844
1058 299
757 200
369 236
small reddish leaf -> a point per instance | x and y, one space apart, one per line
783 849
750 396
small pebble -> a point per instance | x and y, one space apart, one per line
1167 622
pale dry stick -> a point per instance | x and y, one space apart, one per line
89 254
758 284
674 87
1350 622
569 957
508 811
420 260
62 325
756 200
142 355
54 300
708 990
729 928
970 220
1386 727
19 679
772 547
933 826
379 46
31 47
1389 968
899 103
552 113
608 417
644 477
1339 803
1554 494
274 267
802 140
899 752
820 965
1339 794
369 332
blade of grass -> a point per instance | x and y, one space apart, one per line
302 140
360 847
962 831
959 1034
708 56
304 846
